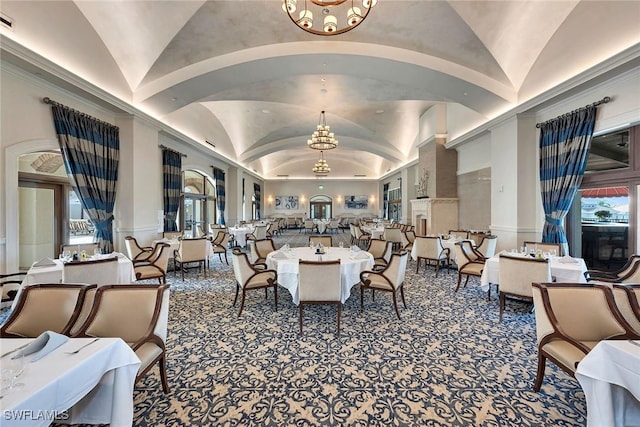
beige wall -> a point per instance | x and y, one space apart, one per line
474 200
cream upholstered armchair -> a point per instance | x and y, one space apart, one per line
136 252
172 235
408 237
319 283
487 246
309 226
259 251
220 245
627 298
154 267
45 307
469 263
391 279
97 272
323 240
571 318
516 275
191 250
381 251
629 273
393 235
430 250
333 226
249 278
133 313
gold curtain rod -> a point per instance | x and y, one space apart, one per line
49 101
595 104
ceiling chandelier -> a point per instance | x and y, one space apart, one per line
353 15
322 139
321 167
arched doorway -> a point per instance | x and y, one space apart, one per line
320 207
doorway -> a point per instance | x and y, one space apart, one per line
320 207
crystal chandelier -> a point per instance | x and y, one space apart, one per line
351 15
321 167
322 139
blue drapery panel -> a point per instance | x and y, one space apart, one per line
564 147
172 184
218 175
91 151
385 200
256 194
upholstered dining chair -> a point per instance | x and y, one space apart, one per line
469 264
390 279
220 245
516 275
381 251
172 235
333 226
154 267
45 307
627 299
136 252
571 318
259 251
132 313
259 233
249 278
393 235
309 226
361 237
487 246
97 272
191 250
319 282
543 246
10 283
323 240
429 249
629 273
408 238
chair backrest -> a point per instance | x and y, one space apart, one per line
133 248
260 232
487 246
476 237
308 223
627 298
544 247
319 281
516 274
464 234
45 307
465 253
161 255
89 248
584 312
10 283
631 274
396 268
172 235
242 269
222 240
428 247
130 312
193 249
97 272
324 240
408 237
378 248
393 235
264 247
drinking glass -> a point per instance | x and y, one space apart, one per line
12 368
97 252
341 245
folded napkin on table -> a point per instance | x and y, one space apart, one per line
43 345
355 248
44 262
568 260
279 255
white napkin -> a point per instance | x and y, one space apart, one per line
362 255
279 255
355 248
44 262
43 345
568 260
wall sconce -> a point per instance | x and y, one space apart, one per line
270 200
339 199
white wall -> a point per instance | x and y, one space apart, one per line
476 155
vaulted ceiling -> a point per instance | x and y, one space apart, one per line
241 75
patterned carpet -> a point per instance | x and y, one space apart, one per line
448 362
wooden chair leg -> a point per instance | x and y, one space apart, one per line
275 297
402 294
236 297
501 304
395 305
459 280
361 297
417 264
339 309
300 311
162 362
241 303
540 372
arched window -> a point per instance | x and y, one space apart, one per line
320 207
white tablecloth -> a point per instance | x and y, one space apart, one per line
321 224
240 234
610 378
562 271
350 267
96 383
376 232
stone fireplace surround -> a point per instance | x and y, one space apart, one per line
434 216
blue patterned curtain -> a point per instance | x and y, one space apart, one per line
172 184
385 201
91 150
218 175
256 193
564 147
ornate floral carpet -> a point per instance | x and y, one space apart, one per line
448 362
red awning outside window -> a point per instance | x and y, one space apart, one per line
606 192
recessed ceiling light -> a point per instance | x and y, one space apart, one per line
324 79
323 91
465 94
174 99
265 111
379 111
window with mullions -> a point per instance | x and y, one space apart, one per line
198 208
394 204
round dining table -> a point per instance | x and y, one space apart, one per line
352 263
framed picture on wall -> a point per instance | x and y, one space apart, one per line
356 202
286 202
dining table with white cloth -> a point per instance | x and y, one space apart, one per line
376 232
610 378
240 234
92 386
446 244
563 269
352 263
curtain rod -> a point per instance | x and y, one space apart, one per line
595 104
49 101
164 147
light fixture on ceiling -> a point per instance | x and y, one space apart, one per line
322 139
351 15
321 167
